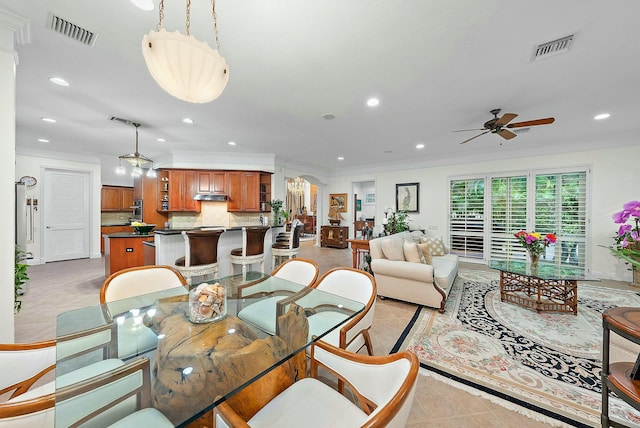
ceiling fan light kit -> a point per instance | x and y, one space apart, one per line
183 66
499 125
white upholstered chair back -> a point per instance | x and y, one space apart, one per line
140 280
356 285
301 271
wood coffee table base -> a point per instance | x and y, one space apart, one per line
559 295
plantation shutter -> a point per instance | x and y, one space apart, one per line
561 208
466 218
508 216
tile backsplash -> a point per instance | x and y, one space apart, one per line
115 217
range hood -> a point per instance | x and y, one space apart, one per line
214 197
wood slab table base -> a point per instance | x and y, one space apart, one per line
558 295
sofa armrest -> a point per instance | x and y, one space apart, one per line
400 269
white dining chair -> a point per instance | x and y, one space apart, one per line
23 371
383 387
355 285
118 398
133 337
262 313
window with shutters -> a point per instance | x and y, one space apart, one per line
541 201
508 215
466 218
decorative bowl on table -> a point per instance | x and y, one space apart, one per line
142 229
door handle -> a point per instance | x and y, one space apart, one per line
48 227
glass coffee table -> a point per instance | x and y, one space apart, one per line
548 287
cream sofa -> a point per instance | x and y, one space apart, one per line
419 283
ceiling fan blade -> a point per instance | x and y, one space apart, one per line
506 118
466 141
465 130
545 121
506 134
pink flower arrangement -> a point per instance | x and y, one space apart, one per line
535 242
628 237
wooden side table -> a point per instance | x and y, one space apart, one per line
622 378
359 248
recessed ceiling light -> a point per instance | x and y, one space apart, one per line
162 140
602 116
231 143
187 120
143 4
340 158
372 102
419 146
48 119
43 140
58 81
328 116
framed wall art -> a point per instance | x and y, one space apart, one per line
408 197
338 201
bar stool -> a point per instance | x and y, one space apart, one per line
288 247
201 253
252 250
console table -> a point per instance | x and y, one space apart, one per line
622 377
334 236
547 287
359 248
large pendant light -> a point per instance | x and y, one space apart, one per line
186 68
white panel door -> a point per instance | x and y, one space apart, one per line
66 215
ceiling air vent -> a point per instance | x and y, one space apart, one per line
545 50
66 28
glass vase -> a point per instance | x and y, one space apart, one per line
534 258
207 303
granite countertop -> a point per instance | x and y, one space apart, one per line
178 231
128 235
116 224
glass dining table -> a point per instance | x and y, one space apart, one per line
197 365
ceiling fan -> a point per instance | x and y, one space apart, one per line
499 125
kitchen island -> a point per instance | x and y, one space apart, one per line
170 245
123 250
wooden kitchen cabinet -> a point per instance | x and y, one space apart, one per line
247 189
244 189
146 188
180 188
212 182
106 230
116 198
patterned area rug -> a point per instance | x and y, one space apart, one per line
547 362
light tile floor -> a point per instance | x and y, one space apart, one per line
60 286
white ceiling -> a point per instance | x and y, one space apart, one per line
436 66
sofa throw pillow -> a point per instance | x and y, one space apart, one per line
411 252
393 249
417 236
424 249
436 245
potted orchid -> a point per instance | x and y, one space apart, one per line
627 240
535 243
